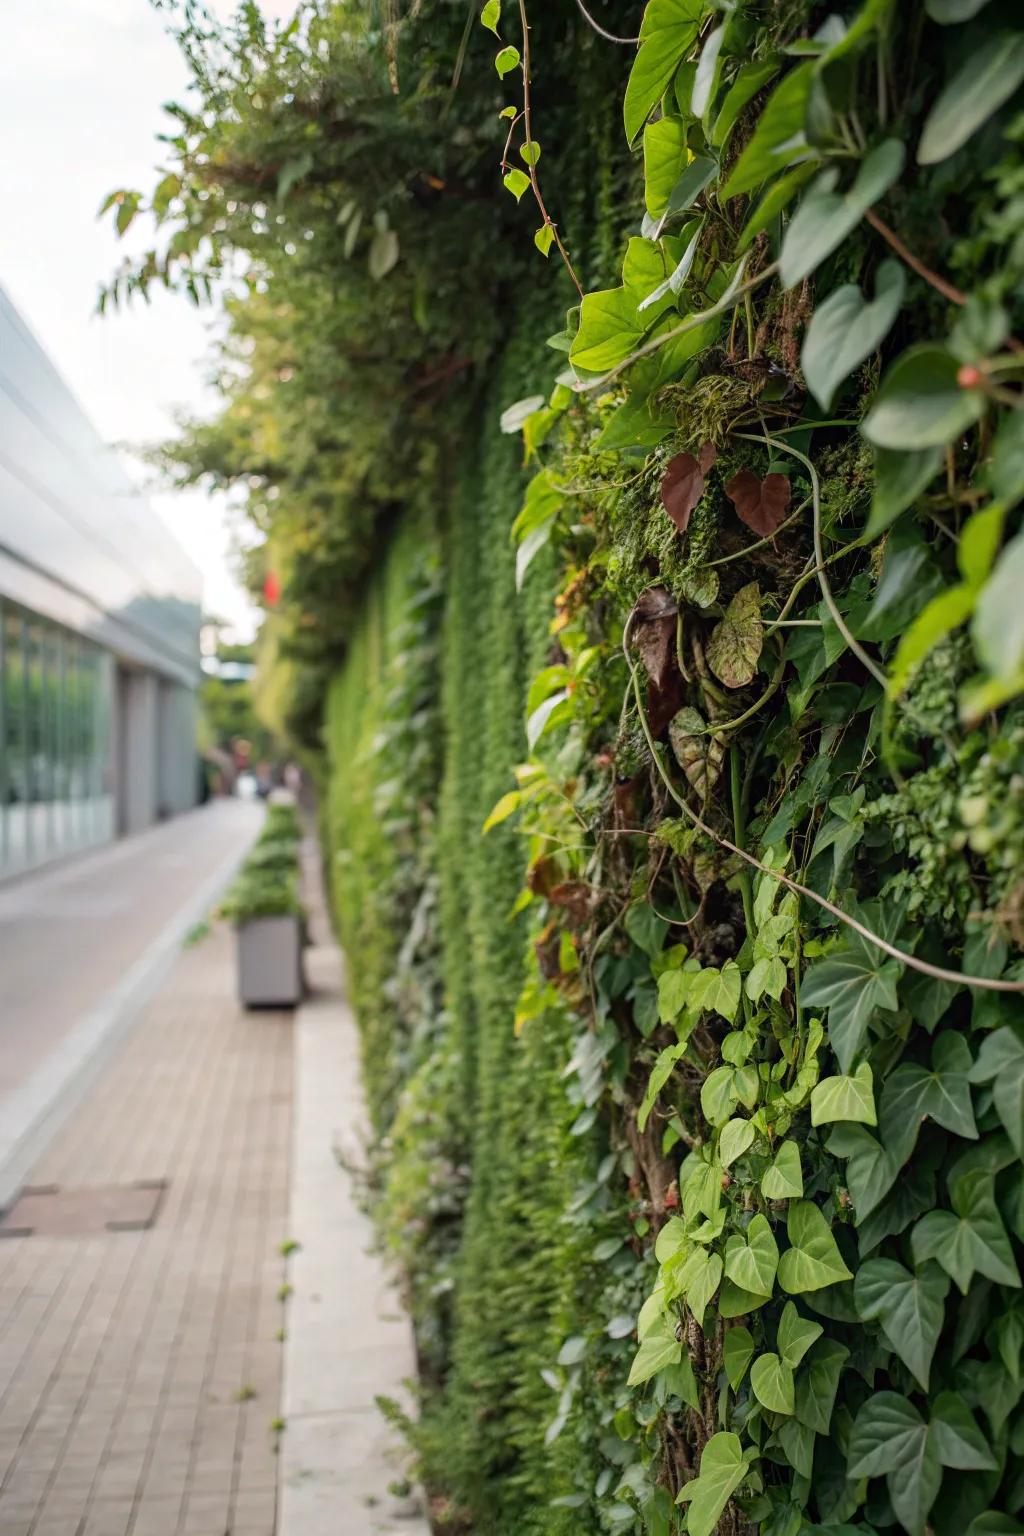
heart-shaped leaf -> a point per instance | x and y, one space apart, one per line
909 1307
761 504
891 1439
737 1352
845 1098
921 403
699 754
751 1260
772 1382
659 1349
813 1260
784 1180
817 1384
682 484
796 1335
826 217
736 1137
723 1466
971 1238
852 983
846 329
735 644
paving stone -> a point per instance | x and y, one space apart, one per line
114 1341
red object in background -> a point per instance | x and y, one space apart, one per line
271 589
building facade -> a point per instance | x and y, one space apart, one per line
99 629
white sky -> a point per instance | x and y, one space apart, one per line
82 83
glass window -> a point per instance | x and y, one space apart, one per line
16 737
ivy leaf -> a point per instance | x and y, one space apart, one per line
846 329
1001 1062
779 137
920 403
659 1349
682 484
852 982
723 1466
913 1094
530 152
544 239
491 15
909 1307
890 1438
798 1443
761 504
735 1138
735 644
817 1384
796 1335
717 989
998 625
752 1258
784 1180
771 1380
989 76
813 1260
845 1098
825 217
699 1281
668 30
973 1240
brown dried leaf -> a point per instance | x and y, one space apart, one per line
698 753
736 642
707 453
654 629
761 504
682 486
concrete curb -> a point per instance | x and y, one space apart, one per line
32 1116
348 1335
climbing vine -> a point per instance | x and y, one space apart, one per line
674 669
793 908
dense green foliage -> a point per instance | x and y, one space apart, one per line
267 885
698 1075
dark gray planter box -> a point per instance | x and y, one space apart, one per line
270 962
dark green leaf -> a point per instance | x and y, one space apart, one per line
846 329
826 217
989 76
920 403
854 981
973 1240
909 1307
899 480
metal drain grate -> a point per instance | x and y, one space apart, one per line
50 1211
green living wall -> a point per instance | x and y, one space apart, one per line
649 608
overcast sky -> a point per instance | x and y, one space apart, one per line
82 83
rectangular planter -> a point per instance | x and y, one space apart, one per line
270 962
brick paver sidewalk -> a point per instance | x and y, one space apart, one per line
140 1371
